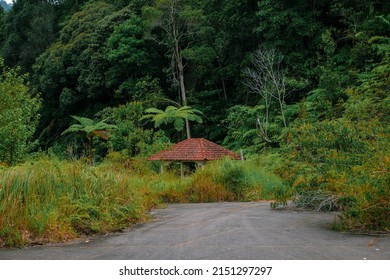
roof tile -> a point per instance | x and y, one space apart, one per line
194 149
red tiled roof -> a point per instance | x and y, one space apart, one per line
195 149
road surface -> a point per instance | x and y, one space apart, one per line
220 231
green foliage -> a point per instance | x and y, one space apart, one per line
242 130
174 115
92 130
29 30
129 56
125 43
176 25
130 135
287 25
19 106
246 131
72 72
89 126
332 166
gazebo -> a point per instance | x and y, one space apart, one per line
198 150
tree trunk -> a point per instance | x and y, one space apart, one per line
223 83
180 68
11 154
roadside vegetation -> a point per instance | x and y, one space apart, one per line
51 200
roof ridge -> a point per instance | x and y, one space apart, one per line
202 150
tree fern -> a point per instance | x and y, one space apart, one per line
174 115
88 126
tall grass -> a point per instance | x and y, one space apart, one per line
228 180
51 200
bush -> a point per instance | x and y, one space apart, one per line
342 165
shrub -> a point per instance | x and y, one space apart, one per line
342 165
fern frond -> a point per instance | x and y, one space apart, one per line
153 111
178 124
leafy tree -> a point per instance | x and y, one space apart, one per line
368 98
294 28
230 36
129 56
126 45
29 30
130 137
19 105
71 74
2 26
216 59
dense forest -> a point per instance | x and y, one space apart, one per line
302 87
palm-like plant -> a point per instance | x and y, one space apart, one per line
174 115
91 128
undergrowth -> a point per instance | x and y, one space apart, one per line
50 200
342 166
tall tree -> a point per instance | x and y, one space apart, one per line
231 37
129 56
175 24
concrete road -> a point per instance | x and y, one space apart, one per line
221 231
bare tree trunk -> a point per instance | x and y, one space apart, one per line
179 30
281 101
267 79
183 89
180 68
223 84
11 154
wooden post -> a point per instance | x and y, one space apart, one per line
181 169
201 164
162 167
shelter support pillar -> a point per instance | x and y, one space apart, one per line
201 164
163 166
